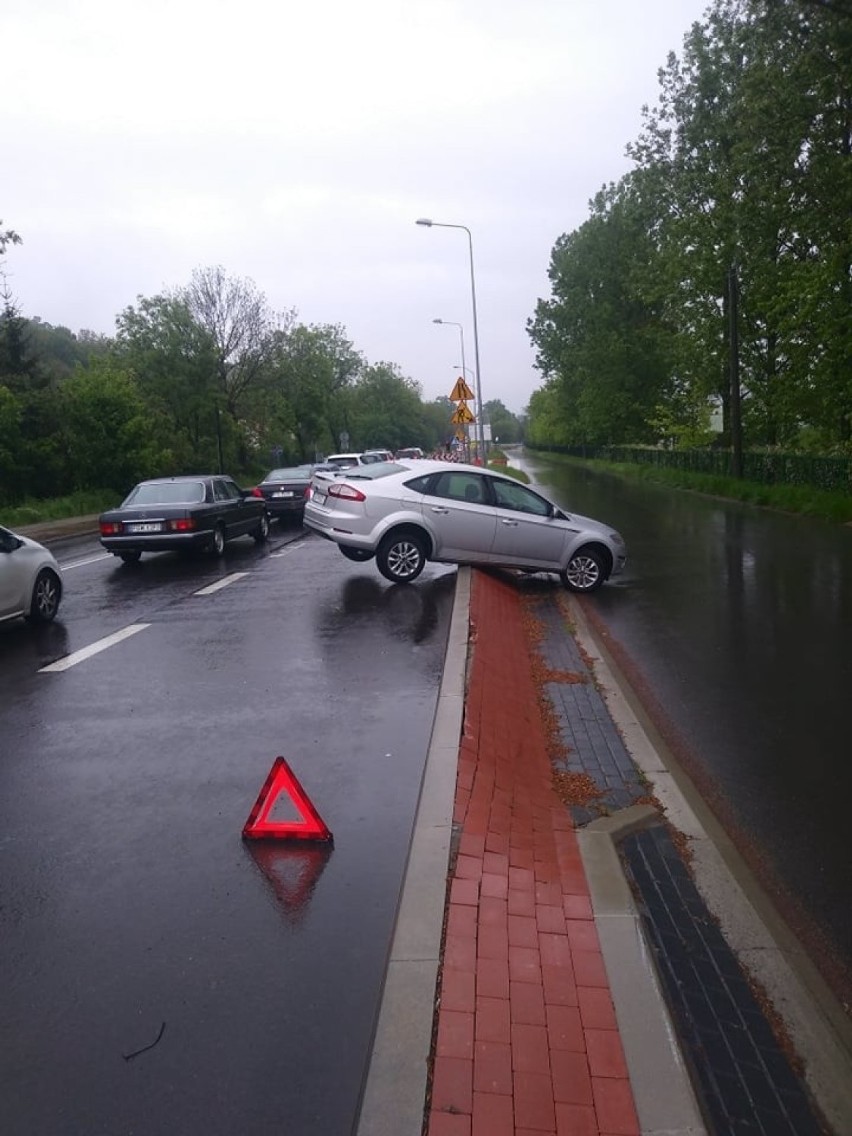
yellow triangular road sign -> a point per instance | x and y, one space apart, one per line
461 391
461 415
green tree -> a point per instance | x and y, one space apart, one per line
599 339
174 362
311 370
385 408
106 429
505 426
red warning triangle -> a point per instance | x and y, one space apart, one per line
282 779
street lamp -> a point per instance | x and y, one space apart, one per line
452 323
480 426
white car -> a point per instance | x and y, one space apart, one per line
347 461
30 581
417 510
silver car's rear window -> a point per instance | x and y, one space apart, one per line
167 493
374 471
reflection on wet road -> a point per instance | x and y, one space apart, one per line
127 897
739 620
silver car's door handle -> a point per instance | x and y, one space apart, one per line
508 523
439 509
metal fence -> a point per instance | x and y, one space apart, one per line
765 468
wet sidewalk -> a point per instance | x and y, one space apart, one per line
527 1039
586 984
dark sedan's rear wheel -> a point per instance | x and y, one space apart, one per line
586 571
47 592
217 542
357 554
130 557
401 557
261 533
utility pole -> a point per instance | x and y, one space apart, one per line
734 370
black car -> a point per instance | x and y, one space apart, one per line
283 490
182 513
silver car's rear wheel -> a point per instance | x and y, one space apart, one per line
585 572
400 557
47 592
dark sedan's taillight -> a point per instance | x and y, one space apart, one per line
182 524
110 528
257 492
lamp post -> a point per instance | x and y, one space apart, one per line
452 323
480 426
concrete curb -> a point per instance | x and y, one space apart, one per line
394 1097
818 1028
662 1091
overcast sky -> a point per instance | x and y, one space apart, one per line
296 144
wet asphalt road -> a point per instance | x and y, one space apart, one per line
127 898
738 620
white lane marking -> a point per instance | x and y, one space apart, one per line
223 583
93 649
82 563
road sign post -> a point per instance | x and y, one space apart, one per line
462 415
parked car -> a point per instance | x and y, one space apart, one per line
30 581
284 491
419 510
408 453
183 513
379 455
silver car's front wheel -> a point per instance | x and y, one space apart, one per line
585 572
400 558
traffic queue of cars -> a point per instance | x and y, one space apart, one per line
402 511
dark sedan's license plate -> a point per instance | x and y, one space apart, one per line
284 493
146 528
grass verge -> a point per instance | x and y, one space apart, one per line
33 512
804 499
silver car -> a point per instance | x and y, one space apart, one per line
30 583
408 512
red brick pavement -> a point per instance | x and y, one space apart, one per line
527 1039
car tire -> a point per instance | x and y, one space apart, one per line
130 557
217 541
357 554
261 533
586 571
400 557
47 592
